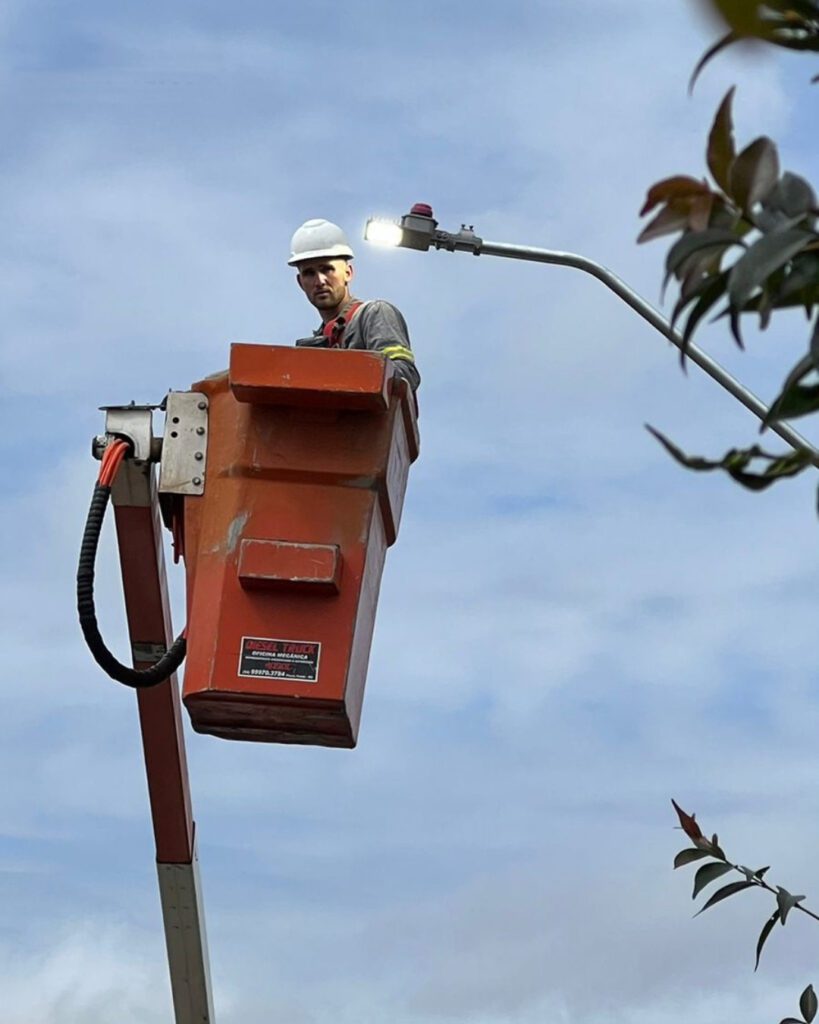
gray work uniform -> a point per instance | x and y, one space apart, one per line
377 326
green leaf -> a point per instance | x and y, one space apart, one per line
689 461
801 44
814 345
798 373
800 286
808 10
690 291
706 874
754 173
808 1004
688 856
743 17
724 893
767 928
706 301
791 196
765 256
693 242
776 21
786 902
780 468
734 462
792 24
721 152
710 53
799 400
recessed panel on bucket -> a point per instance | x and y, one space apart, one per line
284 550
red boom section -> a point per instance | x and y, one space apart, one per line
146 602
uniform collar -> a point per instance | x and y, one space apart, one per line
341 315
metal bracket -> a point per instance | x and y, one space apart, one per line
184 444
132 486
136 423
464 240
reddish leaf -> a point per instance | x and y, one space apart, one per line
700 211
676 187
667 221
721 152
689 826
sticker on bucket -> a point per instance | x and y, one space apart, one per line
295 660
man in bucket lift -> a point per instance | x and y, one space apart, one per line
322 257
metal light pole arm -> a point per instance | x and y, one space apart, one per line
466 241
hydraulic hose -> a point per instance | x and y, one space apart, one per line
173 657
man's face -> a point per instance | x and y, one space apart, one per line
325 282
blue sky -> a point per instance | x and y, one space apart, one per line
497 850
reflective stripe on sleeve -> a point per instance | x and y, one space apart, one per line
398 352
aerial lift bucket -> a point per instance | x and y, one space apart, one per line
307 461
282 480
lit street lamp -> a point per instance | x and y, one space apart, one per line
419 230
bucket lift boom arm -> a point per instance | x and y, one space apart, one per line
139 537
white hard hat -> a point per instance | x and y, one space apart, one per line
317 238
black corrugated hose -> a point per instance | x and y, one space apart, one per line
137 678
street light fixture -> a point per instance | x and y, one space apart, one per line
384 232
419 230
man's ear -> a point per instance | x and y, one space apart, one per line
350 271
299 280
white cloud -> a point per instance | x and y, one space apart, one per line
93 972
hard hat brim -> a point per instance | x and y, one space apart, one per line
335 252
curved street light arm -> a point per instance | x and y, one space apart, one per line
466 240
